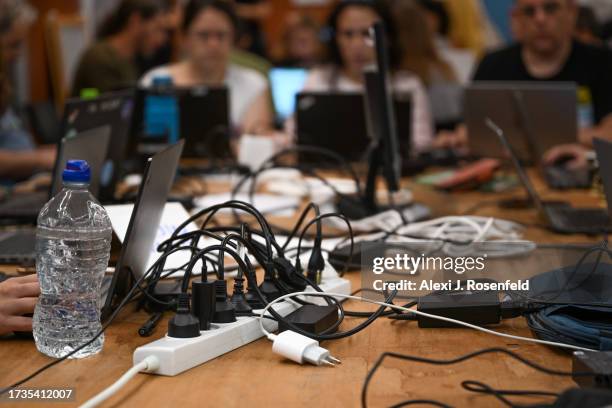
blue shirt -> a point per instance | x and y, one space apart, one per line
12 134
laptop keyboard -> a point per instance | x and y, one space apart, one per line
23 205
18 247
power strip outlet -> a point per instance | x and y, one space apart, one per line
178 355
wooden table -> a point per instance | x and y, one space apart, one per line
254 376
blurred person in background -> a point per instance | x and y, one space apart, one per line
19 156
350 52
166 53
438 20
209 34
252 14
547 51
135 27
301 44
420 56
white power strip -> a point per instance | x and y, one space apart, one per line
178 355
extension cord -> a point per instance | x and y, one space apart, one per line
177 355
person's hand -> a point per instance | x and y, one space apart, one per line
452 139
573 155
18 296
45 156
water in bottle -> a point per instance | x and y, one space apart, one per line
73 240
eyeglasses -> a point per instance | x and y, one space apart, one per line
351 34
221 36
549 8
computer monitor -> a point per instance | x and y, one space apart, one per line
381 125
337 121
114 109
535 117
380 114
203 121
157 180
286 83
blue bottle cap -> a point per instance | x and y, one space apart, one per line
77 171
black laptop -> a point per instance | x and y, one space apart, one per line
89 145
114 109
17 247
204 121
560 216
157 180
337 122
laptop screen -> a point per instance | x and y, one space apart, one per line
286 83
524 178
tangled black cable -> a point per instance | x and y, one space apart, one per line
469 385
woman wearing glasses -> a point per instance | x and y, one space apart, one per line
350 52
209 31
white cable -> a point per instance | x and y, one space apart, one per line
474 236
271 336
150 363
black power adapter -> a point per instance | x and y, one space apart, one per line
597 363
479 308
314 319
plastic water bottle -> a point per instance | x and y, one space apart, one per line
73 239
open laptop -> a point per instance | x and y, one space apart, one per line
561 217
157 180
337 122
17 247
204 121
535 117
90 145
114 109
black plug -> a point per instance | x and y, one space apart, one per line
224 309
316 265
287 273
252 297
238 298
268 287
204 301
183 324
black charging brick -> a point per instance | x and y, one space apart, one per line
479 308
311 318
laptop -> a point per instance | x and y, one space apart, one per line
535 117
89 145
114 109
285 84
157 180
337 122
204 121
561 217
17 247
